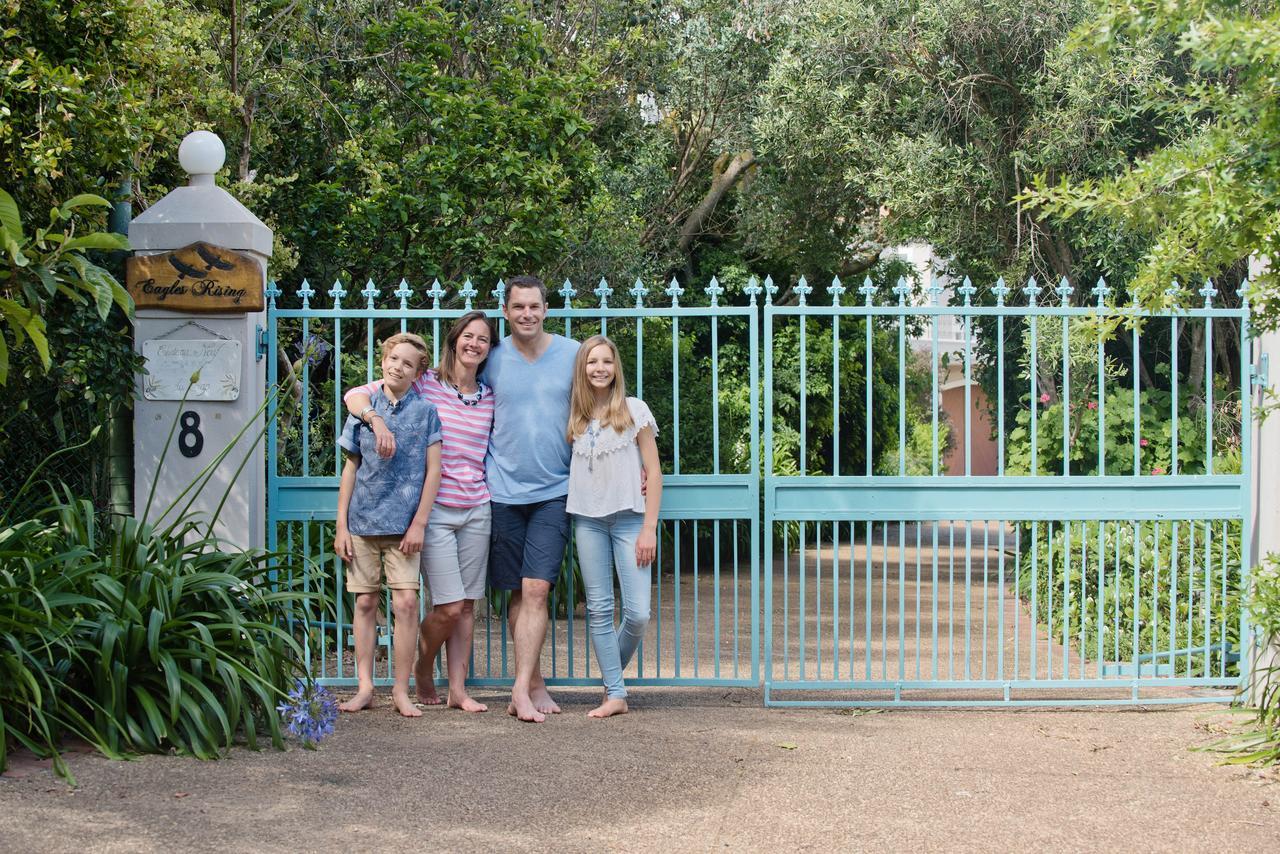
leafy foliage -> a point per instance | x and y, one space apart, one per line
139 639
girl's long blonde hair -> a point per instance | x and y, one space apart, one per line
582 399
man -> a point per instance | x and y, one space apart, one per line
527 470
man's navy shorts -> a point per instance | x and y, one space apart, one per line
528 541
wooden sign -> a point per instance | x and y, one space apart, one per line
199 277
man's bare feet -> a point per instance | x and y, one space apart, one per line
542 701
609 708
427 695
523 709
363 699
404 705
464 702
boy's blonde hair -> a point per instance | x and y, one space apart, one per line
582 398
412 340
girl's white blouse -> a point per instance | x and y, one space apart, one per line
604 472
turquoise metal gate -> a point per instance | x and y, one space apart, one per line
1099 561
706 609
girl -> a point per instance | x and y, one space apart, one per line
455 553
615 521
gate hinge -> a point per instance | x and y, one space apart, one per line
261 348
1260 371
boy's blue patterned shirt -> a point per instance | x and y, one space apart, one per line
387 492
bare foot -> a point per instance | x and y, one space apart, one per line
609 708
404 705
427 695
542 701
464 702
523 709
363 699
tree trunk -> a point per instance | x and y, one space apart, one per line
727 171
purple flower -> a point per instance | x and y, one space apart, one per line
309 712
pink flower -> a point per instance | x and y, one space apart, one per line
1157 470
1143 442
1044 398
1093 404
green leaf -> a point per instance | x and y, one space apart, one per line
97 240
83 200
9 216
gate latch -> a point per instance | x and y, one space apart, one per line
1261 372
261 342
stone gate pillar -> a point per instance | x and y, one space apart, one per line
1264 479
197 277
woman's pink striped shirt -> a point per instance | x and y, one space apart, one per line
465 439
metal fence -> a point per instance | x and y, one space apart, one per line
705 628
1099 562
1070 574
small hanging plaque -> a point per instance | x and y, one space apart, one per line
172 363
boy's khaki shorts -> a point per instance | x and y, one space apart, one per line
373 555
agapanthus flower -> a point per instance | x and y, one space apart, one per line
309 712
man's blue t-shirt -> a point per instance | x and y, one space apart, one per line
388 490
528 459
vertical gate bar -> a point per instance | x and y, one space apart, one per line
968 592
1084 598
853 544
306 397
1033 400
1101 408
933 374
968 388
1102 590
675 396
337 393
935 601
1066 598
835 600
678 628
884 600
737 635
1065 397
917 527
867 561
1173 597
786 601
1000 615
1017 585
1115 605
1137 570
999 384
1049 589
817 596
640 357
1222 624
951 600
764 409
804 405
1208 599
1208 397
802 611
867 383
902 389
902 598
1173 406
835 393
986 564
696 648
757 539
715 394
1155 597
657 635
1137 415
570 556
1191 590
1035 595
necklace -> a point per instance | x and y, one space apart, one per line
593 433
469 399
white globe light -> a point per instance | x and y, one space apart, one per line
202 153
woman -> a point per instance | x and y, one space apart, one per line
455 554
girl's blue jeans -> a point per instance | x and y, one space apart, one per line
605 544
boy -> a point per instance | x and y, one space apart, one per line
383 505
